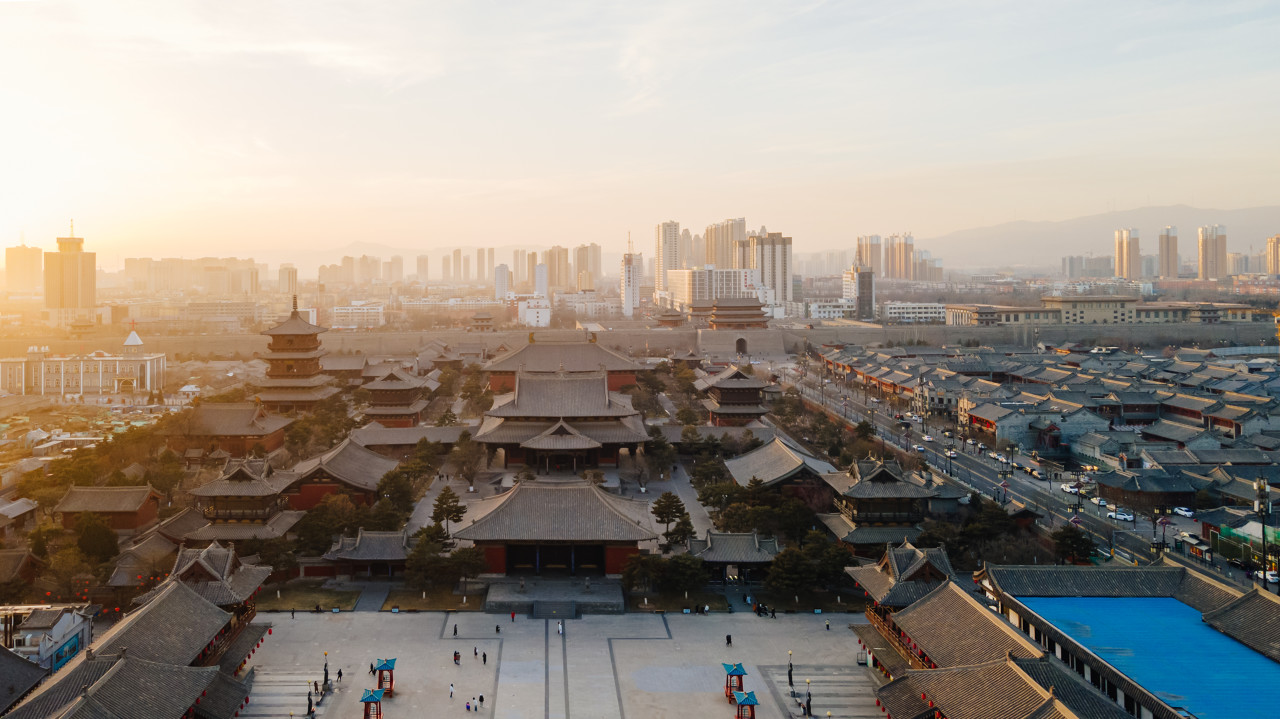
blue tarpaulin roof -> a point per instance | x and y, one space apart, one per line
1163 645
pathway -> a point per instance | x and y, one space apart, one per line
372 596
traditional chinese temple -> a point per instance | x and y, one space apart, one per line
568 527
396 399
557 356
246 502
561 421
875 506
734 398
730 313
294 381
348 468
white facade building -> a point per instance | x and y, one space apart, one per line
535 312
42 372
666 253
501 281
686 287
913 312
629 283
359 316
540 281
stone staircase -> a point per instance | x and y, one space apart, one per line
555 610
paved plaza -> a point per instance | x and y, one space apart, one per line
628 666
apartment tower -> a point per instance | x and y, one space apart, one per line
1213 253
1128 263
1167 265
666 253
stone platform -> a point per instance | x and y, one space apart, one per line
604 597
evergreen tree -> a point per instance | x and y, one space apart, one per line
668 508
447 508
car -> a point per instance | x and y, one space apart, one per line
948 434
970 442
1035 473
982 447
918 447
1070 489
875 400
1184 511
898 416
1120 515
1098 501
1000 457
927 438
952 453
993 455
1273 577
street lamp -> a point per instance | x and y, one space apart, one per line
790 682
1262 506
808 697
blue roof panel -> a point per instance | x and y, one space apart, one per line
1163 645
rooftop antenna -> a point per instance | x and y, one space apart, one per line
630 251
73 227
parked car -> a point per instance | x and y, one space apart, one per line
1122 515
952 453
1035 473
1184 511
992 455
982 447
927 438
1098 501
875 400
970 442
1070 489
1273 577
918 447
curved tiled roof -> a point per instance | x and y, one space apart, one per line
105 499
562 395
735 548
295 325
773 462
955 630
560 436
172 628
350 463
568 512
372 547
553 356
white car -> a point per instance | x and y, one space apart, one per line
927 438
1098 501
875 400
1122 515
1070 489
992 455
970 442
1184 511
1273 577
952 453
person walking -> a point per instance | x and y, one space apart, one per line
291 616
484 658
339 676
828 625
497 628
371 668
481 701
455 630
450 690
513 616
475 651
468 706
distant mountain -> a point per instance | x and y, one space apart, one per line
1043 244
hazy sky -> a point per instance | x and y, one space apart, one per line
256 128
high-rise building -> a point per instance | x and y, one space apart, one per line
719 240
586 260
558 272
70 281
859 287
287 282
687 287
1167 265
395 270
23 268
699 252
1128 257
773 260
869 254
501 282
488 263
368 269
1237 263
899 257
1213 253
519 267
686 248
629 283
666 253
446 269
531 269
424 264
541 281
457 267
466 268
1273 255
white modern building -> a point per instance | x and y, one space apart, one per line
913 312
45 373
359 315
629 284
501 281
535 312
666 253
687 287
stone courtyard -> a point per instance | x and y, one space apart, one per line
627 666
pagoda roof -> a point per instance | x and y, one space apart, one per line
560 436
562 394
369 546
274 528
573 511
294 325
246 478
215 573
554 356
396 379
734 547
349 463
498 430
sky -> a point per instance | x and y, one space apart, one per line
267 128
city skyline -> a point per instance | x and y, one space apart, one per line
1015 113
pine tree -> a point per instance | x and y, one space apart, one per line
447 508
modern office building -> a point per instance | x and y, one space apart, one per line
859 287
23 269
1213 253
1273 255
287 282
501 282
559 273
424 264
689 287
70 282
1167 266
541 286
666 253
1128 256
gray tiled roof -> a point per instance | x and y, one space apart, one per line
569 511
246 480
18 676
1253 619
349 463
396 379
105 499
129 688
952 628
11 563
369 546
1081 697
295 325
993 690
276 527
734 548
846 532
234 419
675 434
561 394
1068 581
375 435
172 628
496 430
553 356
773 462
560 436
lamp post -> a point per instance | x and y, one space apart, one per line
808 697
790 682
1262 506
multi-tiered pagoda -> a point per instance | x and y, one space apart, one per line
294 379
